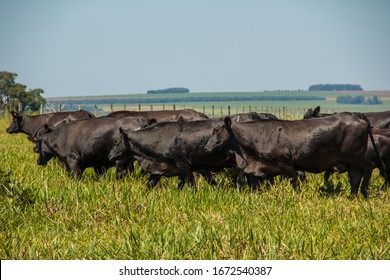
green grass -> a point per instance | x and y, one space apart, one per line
47 214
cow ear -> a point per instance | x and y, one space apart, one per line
317 110
121 130
228 121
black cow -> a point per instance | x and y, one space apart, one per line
377 119
380 121
160 116
382 162
87 143
172 149
33 125
267 148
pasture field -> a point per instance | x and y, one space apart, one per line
46 214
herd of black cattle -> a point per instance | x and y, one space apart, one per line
181 142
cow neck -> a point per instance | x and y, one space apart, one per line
235 143
50 143
30 125
134 138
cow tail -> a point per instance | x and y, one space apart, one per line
382 166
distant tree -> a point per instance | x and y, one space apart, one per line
13 94
335 87
359 99
7 81
374 100
169 90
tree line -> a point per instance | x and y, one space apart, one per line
335 87
16 96
359 99
169 90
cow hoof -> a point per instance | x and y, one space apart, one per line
352 196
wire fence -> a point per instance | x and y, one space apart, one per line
212 111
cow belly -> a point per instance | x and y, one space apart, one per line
262 168
155 167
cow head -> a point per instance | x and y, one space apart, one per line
313 113
120 147
223 137
34 139
16 124
219 137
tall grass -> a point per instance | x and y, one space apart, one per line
45 213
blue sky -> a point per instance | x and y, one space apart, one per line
77 48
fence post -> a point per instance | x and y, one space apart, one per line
204 109
96 109
228 110
163 106
59 107
174 107
139 107
111 108
212 111
151 107
221 112
243 109
250 108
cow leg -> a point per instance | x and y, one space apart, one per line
355 176
295 184
386 183
209 176
366 181
238 177
327 174
123 167
252 180
292 174
153 181
186 175
180 182
75 168
301 175
386 175
185 178
100 171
